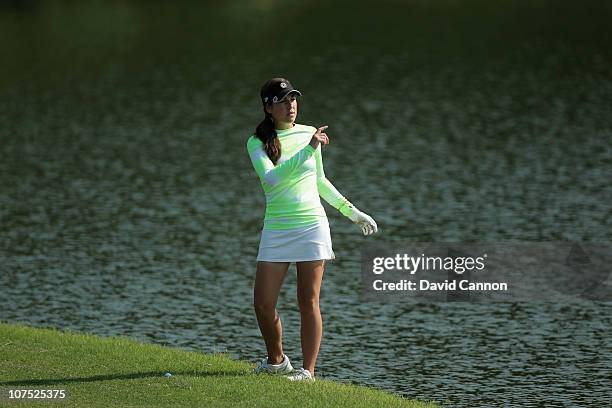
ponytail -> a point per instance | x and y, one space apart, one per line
267 134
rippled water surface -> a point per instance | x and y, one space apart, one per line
128 204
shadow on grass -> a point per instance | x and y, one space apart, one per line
131 376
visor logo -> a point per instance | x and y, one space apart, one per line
283 85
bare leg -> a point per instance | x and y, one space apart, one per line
268 281
309 277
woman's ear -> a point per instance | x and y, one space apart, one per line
269 108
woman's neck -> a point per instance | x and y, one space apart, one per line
284 126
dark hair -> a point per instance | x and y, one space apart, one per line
267 134
265 130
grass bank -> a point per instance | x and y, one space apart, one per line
120 372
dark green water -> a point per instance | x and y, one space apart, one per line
128 204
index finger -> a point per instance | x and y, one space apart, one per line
322 128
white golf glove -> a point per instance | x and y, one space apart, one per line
367 223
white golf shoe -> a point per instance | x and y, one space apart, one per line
301 374
284 367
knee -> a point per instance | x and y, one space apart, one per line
308 305
263 308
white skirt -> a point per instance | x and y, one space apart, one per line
311 243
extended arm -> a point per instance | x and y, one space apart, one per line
330 194
327 190
266 170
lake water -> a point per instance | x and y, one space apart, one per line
128 204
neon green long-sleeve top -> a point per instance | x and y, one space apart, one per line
292 187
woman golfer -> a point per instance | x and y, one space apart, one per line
287 158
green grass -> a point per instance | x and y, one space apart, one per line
122 372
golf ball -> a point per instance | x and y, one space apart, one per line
167 375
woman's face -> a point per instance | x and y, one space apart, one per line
284 112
